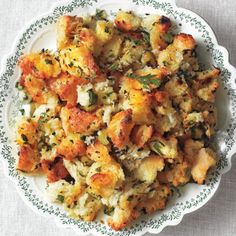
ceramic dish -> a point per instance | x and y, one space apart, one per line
41 34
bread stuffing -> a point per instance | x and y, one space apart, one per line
117 116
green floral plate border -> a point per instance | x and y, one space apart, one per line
192 199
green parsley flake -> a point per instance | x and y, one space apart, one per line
60 198
146 80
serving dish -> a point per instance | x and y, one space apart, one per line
41 34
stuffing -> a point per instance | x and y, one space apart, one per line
120 128
88 38
166 148
141 134
87 207
128 204
132 158
34 87
172 56
127 21
176 87
112 49
27 132
55 170
71 147
191 148
88 122
78 61
130 54
148 168
157 34
65 86
140 103
103 178
99 153
177 176
105 93
157 201
192 119
207 92
119 114
85 95
149 59
28 158
78 168
42 65
208 74
68 28
206 158
104 30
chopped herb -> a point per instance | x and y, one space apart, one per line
93 97
114 66
100 15
146 36
168 38
146 80
102 137
18 86
24 137
47 61
157 146
43 118
60 198
54 133
48 147
22 111
109 210
71 64
165 63
81 174
107 30
137 42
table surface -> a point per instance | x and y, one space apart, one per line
218 217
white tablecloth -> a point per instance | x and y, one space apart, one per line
217 218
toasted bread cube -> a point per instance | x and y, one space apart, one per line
103 178
68 28
55 170
77 121
27 132
99 153
141 134
172 56
177 176
127 21
104 30
28 158
79 61
41 65
205 159
147 171
157 33
71 147
120 128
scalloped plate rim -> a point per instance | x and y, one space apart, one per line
174 222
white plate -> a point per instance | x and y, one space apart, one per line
41 34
